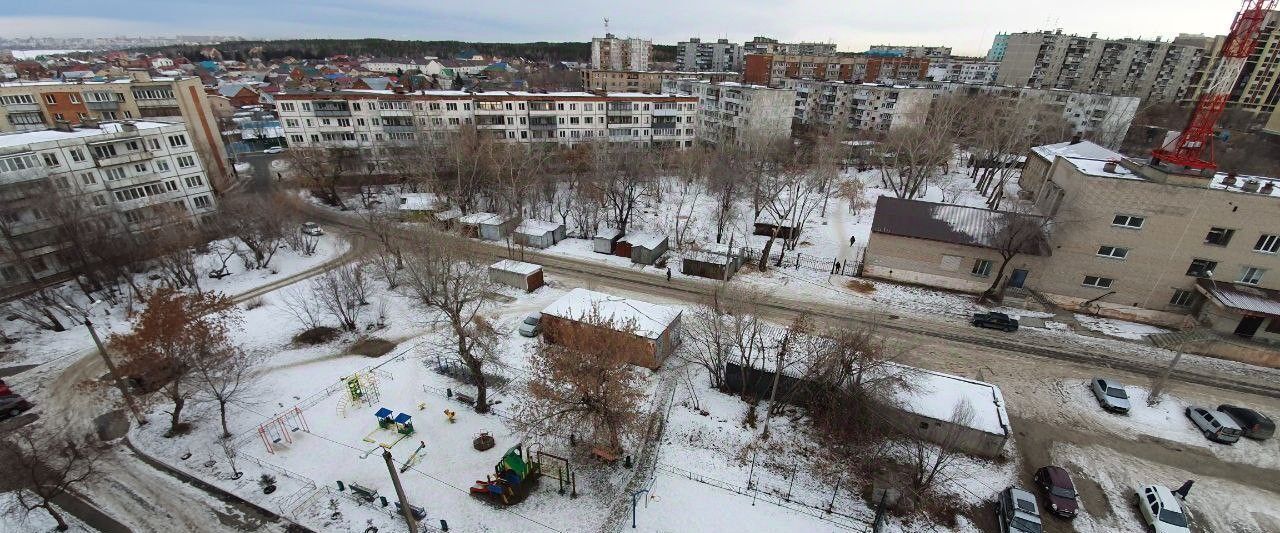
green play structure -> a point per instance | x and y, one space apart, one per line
513 477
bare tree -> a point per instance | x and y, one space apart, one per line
225 375
324 170
1010 234
42 468
342 292
625 175
456 289
260 223
930 458
724 183
707 334
298 301
911 156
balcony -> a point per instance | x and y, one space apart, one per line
122 159
332 112
22 108
660 112
104 105
9 177
156 102
400 128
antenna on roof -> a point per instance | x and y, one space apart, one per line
606 26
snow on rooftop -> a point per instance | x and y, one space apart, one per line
1219 182
649 320
530 226
608 233
482 218
448 214
419 201
519 267
1082 149
935 395
645 240
11 140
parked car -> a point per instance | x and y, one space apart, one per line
995 320
13 405
1059 491
1255 425
311 228
1216 425
273 150
1110 394
1017 511
531 326
1161 510
4 388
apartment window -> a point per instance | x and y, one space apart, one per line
51 159
325 122
1219 236
1251 275
9 273
140 167
433 106
88 178
1096 281
306 106
62 182
1127 221
1267 244
286 106
200 202
171 185
450 106
50 99
76 155
99 200
186 161
17 99
59 116
291 123
133 217
132 146
114 173
295 138
355 106
162 166
359 122
104 151
981 267
177 141
1201 268
153 144
345 122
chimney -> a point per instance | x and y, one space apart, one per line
89 123
1075 139
1109 167
128 126
1230 179
1250 186
62 125
1269 188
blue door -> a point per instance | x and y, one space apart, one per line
1018 277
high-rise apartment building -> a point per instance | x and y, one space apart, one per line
38 105
772 69
998 45
612 53
1157 71
720 56
975 71
737 114
375 121
115 177
931 52
1257 90
830 105
765 45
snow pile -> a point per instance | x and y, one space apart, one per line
1118 328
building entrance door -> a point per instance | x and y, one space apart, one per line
1248 326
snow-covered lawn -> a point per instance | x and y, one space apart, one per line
37 521
1118 328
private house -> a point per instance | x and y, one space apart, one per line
649 331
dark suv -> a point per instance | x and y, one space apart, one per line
995 320
1059 492
1255 425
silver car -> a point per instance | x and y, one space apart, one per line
531 326
1217 426
1017 511
1110 395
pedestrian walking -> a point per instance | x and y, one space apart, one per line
853 239
668 274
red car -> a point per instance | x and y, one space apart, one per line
1058 490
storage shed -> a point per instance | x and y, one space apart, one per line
447 218
717 262
518 274
538 233
487 226
767 223
651 331
605 240
420 202
642 248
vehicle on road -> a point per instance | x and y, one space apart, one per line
273 150
1216 425
1017 511
531 326
1059 491
311 228
13 405
1255 425
1111 395
1161 510
995 320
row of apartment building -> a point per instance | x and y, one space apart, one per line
32 106
735 113
637 81
771 69
371 119
128 176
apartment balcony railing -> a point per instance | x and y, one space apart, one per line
22 108
156 102
659 112
8 177
333 112
103 105
398 128
121 159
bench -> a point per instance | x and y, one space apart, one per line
364 492
464 398
604 455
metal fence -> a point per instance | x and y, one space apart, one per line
816 263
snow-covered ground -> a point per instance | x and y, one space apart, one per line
37 521
1118 328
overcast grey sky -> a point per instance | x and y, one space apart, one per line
852 24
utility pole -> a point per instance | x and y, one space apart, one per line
115 374
404 502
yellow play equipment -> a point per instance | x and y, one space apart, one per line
450 415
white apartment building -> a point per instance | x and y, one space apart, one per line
737 113
970 71
126 176
859 106
720 56
1103 118
612 53
929 52
373 119
1159 71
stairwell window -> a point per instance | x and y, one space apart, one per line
1201 268
981 268
1182 298
1128 221
1251 275
1219 236
177 141
1267 244
1096 281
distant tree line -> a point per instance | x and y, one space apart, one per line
322 48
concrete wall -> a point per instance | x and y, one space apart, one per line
938 264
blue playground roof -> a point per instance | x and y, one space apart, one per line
403 418
383 412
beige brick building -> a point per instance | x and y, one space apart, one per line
38 105
640 81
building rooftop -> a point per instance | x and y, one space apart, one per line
537 227
10 140
647 320
519 267
645 240
935 395
955 224
1242 298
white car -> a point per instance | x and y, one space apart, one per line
273 150
1161 510
531 326
311 228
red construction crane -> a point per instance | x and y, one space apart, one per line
1193 148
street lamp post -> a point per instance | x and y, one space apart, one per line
115 374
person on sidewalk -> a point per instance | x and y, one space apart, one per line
853 239
668 274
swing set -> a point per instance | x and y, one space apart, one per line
277 432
